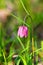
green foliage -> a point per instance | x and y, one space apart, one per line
2 4
20 46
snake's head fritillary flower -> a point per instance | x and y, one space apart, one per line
23 31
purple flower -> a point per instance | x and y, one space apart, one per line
23 31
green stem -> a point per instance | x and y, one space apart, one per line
20 42
4 57
24 7
20 20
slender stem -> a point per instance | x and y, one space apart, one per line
20 42
4 57
24 7
19 19
28 13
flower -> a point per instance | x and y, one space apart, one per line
23 31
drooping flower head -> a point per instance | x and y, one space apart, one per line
23 31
